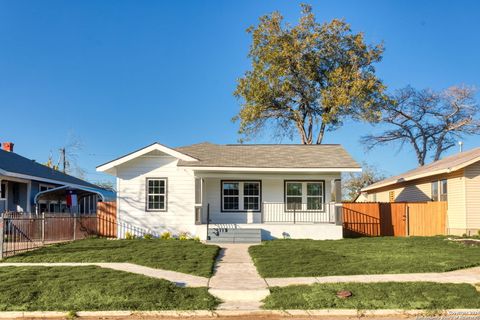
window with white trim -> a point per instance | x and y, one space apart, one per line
304 195
435 191
241 195
443 190
439 190
156 194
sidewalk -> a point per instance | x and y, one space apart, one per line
180 279
471 276
236 280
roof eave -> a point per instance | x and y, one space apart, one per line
423 175
262 169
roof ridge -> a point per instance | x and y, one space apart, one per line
279 144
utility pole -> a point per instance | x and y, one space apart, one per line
64 159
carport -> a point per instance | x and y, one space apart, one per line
71 199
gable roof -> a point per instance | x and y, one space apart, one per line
12 164
298 156
445 165
142 151
209 156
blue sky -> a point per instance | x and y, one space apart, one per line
119 75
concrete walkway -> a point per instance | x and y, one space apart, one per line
180 279
471 276
236 280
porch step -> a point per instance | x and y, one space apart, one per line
234 235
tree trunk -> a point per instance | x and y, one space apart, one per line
321 133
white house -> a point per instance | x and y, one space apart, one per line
233 192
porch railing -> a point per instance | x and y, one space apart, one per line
300 212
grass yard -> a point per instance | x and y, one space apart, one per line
93 288
389 295
184 256
303 258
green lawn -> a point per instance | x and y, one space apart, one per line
389 295
184 256
301 258
93 288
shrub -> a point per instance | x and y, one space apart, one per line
183 236
129 235
166 235
196 238
147 236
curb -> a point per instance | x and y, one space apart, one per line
216 313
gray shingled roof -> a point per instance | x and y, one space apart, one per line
14 163
268 156
436 167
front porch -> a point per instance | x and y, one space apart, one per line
276 205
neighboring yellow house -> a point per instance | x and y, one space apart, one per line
455 179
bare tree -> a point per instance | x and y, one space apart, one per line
431 122
353 182
68 158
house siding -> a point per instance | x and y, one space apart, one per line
179 216
472 182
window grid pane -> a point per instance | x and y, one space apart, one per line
156 194
230 203
251 203
294 188
294 203
314 189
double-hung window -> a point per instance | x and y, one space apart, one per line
156 194
439 190
241 195
435 191
304 195
443 190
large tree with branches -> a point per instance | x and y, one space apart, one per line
430 122
308 78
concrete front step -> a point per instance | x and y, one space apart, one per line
234 235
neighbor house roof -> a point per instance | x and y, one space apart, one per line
446 165
12 164
265 157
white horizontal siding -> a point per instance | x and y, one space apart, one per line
132 176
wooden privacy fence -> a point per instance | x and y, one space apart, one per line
394 219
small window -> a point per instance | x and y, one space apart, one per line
391 196
156 194
198 191
443 190
241 195
435 191
3 191
45 187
